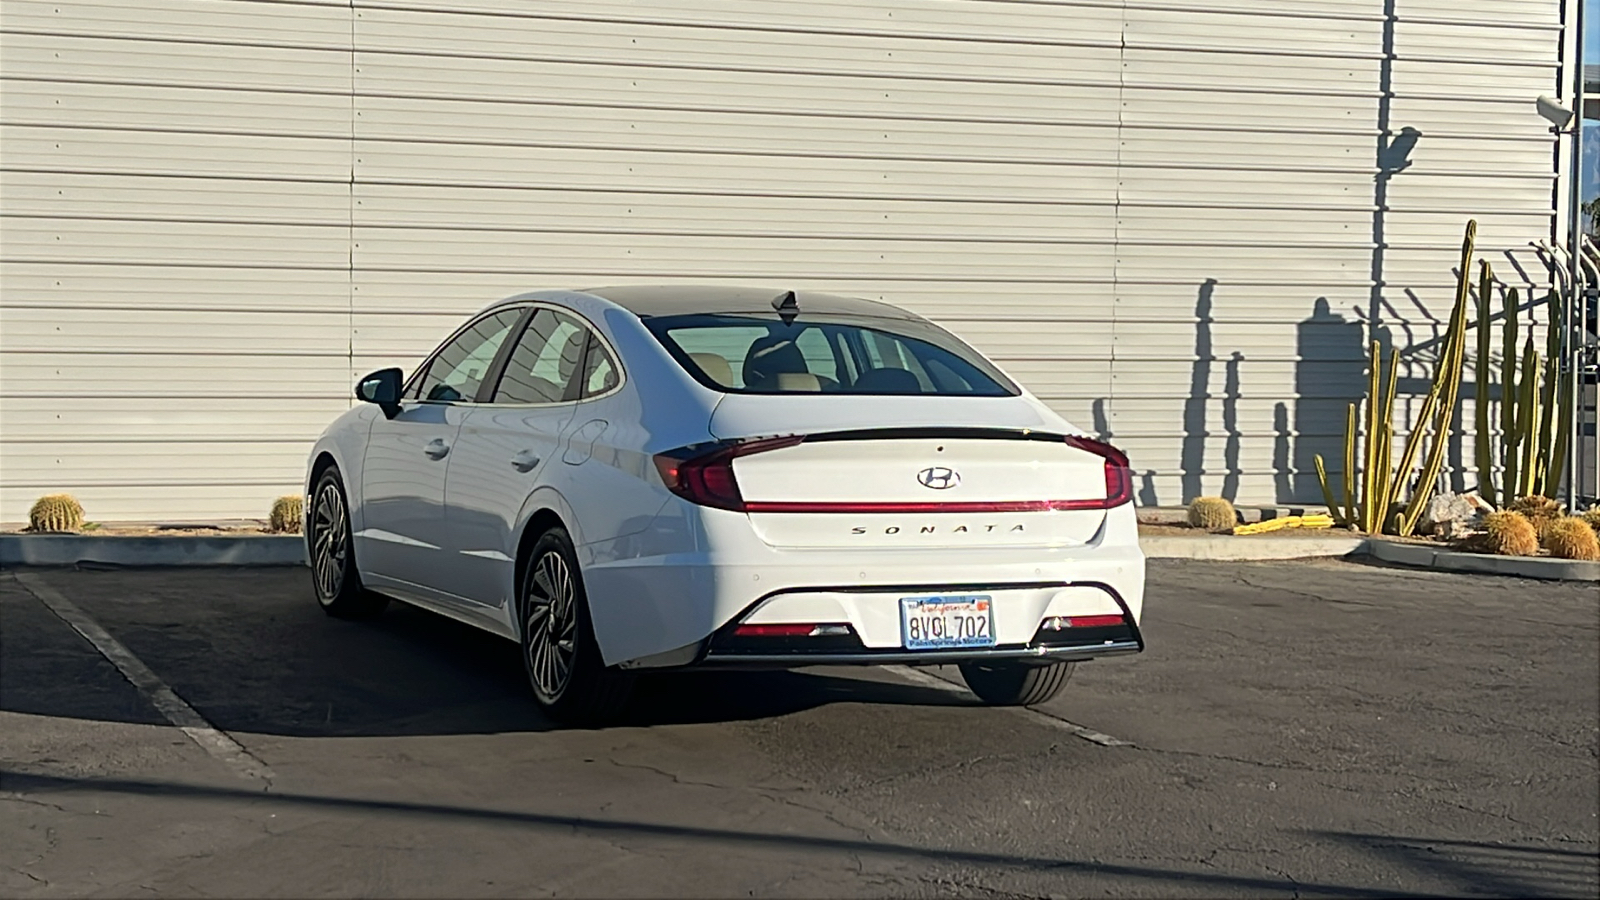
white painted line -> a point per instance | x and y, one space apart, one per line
1038 716
179 713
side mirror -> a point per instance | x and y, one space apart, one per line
383 388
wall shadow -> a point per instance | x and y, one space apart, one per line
1192 460
1330 373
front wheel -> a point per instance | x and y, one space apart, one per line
1016 684
569 679
333 558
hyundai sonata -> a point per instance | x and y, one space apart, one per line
637 479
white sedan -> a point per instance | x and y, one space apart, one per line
646 478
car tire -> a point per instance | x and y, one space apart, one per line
331 548
569 679
1016 684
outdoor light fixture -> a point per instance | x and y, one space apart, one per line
1554 111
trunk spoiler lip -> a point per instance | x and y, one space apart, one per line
904 432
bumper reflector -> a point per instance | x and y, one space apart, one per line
1060 623
787 630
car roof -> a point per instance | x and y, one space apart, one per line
646 301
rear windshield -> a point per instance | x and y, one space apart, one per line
827 354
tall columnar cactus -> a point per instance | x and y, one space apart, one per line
56 512
1369 500
1535 406
1482 379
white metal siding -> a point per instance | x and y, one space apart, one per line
217 214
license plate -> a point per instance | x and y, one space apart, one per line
928 623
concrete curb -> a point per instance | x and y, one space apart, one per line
1223 547
187 550
1425 557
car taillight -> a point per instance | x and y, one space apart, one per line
1119 477
707 479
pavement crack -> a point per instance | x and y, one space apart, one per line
673 776
29 875
18 798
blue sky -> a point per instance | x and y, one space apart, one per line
1591 35
1591 133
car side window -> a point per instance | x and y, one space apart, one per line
599 369
542 365
458 370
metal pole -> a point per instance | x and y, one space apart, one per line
1573 302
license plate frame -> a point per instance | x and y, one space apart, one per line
947 622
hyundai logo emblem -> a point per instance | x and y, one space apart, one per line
939 478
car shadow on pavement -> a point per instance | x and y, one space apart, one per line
270 662
1216 882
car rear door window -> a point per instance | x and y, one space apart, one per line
458 369
541 367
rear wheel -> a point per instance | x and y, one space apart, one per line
1016 684
333 558
559 652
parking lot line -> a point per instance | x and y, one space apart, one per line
1035 715
215 742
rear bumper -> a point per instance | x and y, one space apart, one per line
727 649
670 610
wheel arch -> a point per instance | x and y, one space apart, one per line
543 519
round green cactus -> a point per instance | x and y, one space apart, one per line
1571 538
56 512
1212 514
287 514
1509 533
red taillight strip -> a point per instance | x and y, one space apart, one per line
1094 621
708 480
999 506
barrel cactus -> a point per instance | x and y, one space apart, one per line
1592 516
1212 514
1509 533
1570 537
287 514
56 512
1540 511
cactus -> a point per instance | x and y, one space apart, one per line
1447 387
1535 406
1373 501
1508 394
1508 533
1539 510
56 512
1212 514
286 515
1570 537
1592 516
1482 375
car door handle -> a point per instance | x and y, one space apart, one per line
436 448
524 461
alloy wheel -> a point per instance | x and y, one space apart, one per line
330 541
551 626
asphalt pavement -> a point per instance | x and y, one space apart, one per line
1294 729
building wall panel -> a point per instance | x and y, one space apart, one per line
1177 223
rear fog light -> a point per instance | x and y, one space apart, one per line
786 630
1061 623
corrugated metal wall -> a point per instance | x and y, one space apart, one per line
1173 221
